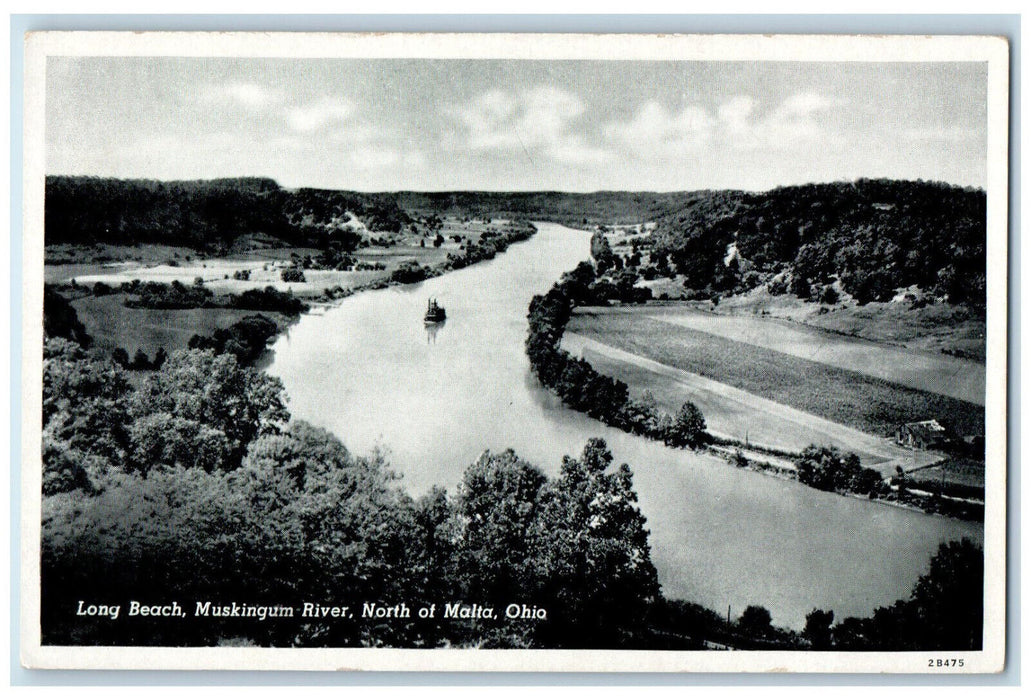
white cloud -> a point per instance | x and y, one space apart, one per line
248 95
807 103
319 114
657 133
735 113
251 94
373 157
541 119
800 118
574 150
654 131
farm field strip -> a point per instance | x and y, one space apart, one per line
936 373
865 403
214 273
734 413
113 325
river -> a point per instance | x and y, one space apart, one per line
434 399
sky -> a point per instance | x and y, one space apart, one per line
579 126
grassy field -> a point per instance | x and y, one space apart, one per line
955 470
112 325
217 273
932 372
852 399
936 328
739 415
264 261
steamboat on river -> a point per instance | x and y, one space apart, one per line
434 313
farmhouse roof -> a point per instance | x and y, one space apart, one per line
926 429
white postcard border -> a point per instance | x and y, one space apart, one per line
992 50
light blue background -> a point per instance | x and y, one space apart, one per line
1002 25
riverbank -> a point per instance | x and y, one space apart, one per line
367 370
600 396
121 311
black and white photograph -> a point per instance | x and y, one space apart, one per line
511 352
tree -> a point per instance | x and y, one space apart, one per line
66 468
326 523
60 319
301 520
818 628
577 282
439 531
164 440
755 620
601 251
120 357
499 501
85 402
801 287
140 360
408 271
827 469
945 611
688 429
948 600
216 392
246 339
292 274
590 554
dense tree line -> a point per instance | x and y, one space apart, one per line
60 319
490 244
827 469
207 214
195 485
378 212
583 388
945 610
176 295
140 361
871 236
569 208
246 339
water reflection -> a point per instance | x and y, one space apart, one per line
432 329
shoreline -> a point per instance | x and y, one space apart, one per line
327 302
331 297
584 389
789 322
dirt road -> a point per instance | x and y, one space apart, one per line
741 415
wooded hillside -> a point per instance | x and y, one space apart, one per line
569 208
870 236
206 215
873 236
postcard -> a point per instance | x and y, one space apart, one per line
509 352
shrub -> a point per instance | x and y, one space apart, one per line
292 274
